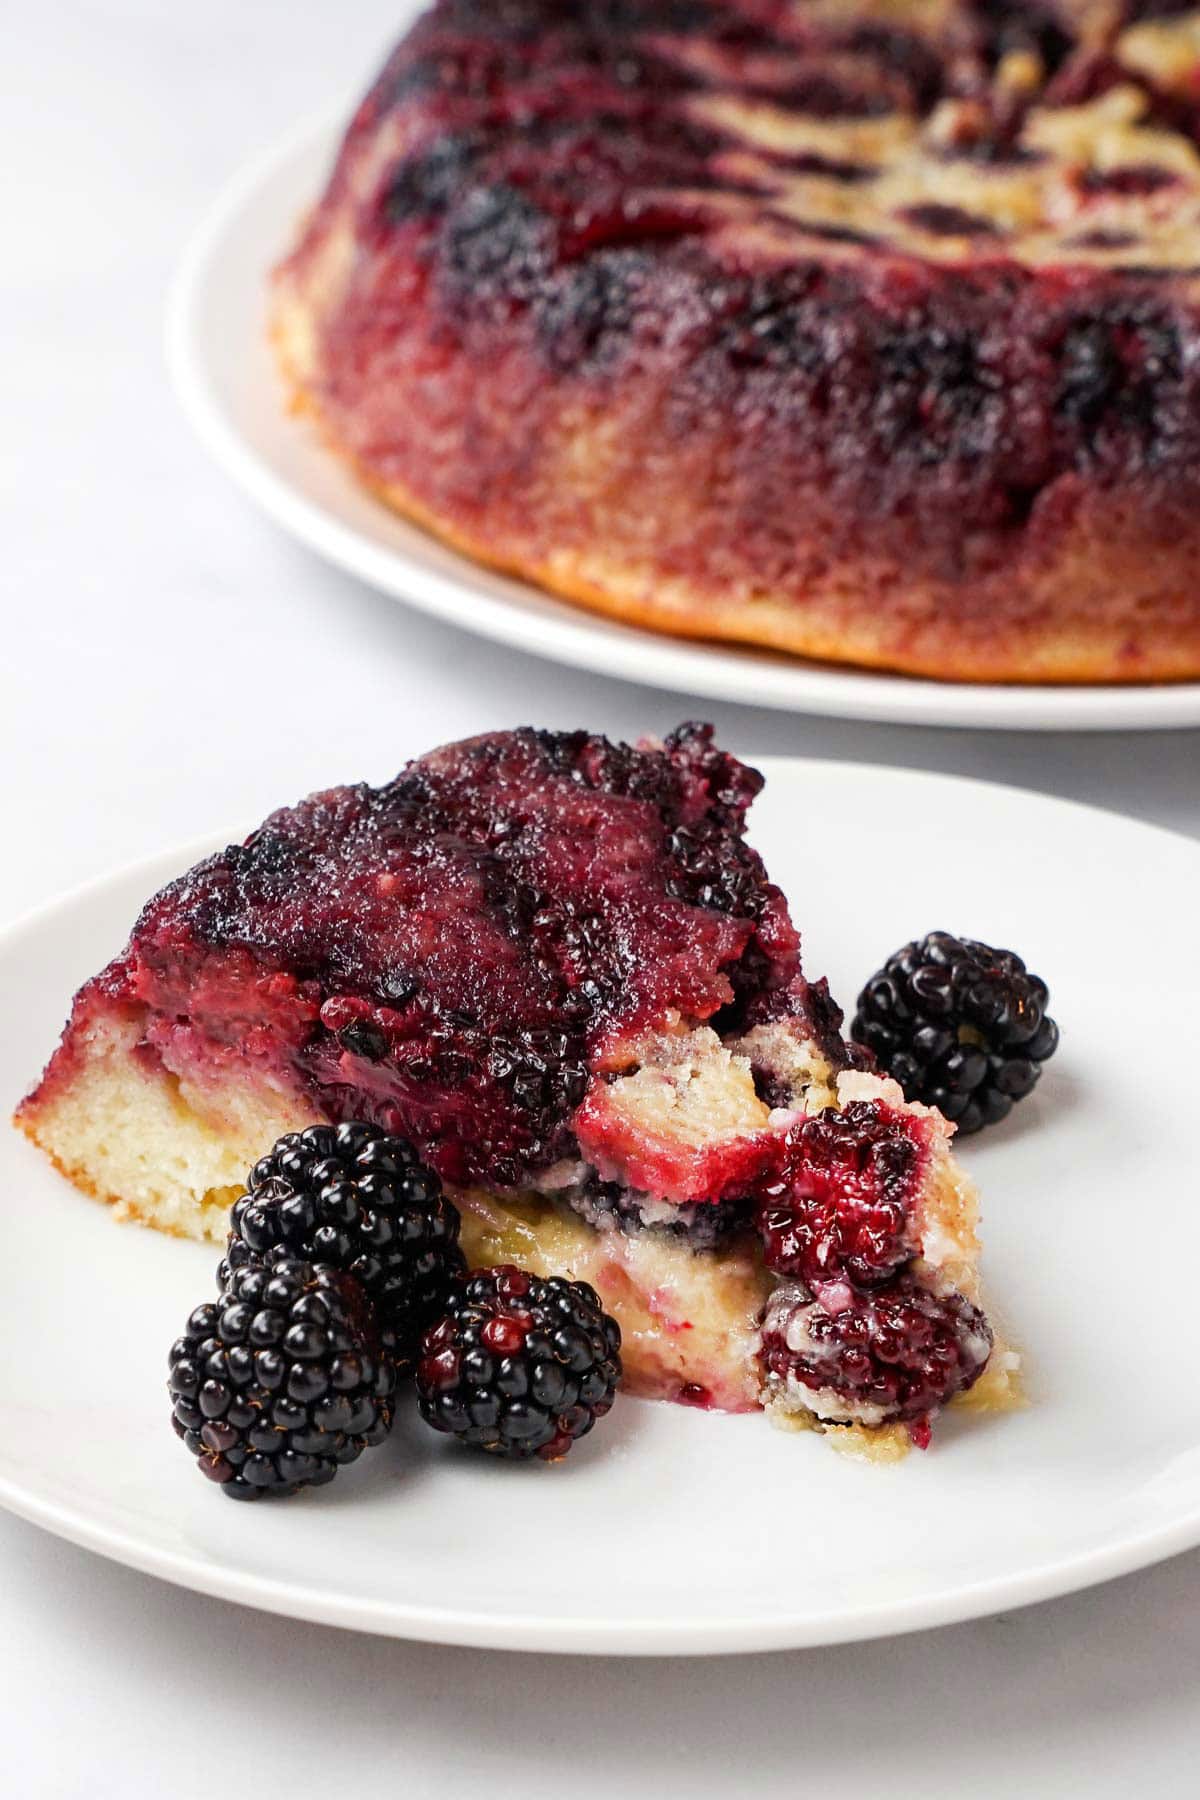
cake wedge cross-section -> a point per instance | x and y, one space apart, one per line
555 964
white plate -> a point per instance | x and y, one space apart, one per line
225 378
671 1530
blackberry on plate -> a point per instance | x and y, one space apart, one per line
358 1199
960 1025
519 1366
281 1379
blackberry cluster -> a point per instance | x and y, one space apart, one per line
519 1366
281 1380
960 1025
343 1251
357 1199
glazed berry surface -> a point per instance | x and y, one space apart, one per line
839 1202
282 1380
859 1330
454 956
353 1197
577 166
893 1352
960 1025
722 255
520 1367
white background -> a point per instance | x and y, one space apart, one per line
171 665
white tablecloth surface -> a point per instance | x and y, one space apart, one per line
173 665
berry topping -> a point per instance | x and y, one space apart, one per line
839 1203
960 1025
896 1352
281 1380
454 955
519 1366
355 1198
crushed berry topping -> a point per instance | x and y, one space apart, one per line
572 192
447 956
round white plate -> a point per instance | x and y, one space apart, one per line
229 387
671 1530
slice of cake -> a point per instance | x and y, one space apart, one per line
556 965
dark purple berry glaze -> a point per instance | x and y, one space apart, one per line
450 955
561 175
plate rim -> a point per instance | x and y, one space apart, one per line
568 634
584 1634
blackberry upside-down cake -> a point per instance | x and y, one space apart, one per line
865 329
554 965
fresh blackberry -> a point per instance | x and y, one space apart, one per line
282 1379
357 1199
959 1025
519 1366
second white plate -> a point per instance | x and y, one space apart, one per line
670 1530
229 388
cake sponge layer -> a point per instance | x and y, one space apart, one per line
159 1149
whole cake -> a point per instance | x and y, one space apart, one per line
867 329
554 965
